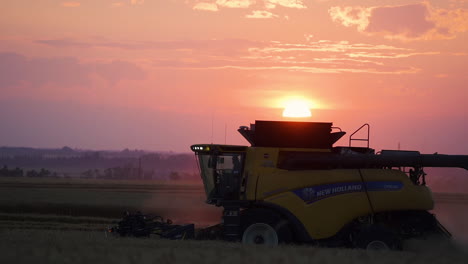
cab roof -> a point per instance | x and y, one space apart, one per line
209 148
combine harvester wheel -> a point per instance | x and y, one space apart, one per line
262 226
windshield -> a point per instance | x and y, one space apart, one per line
221 175
229 164
206 172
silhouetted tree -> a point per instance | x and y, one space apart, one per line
32 173
174 176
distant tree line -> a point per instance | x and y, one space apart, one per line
160 166
131 173
5 172
67 152
157 161
117 173
17 172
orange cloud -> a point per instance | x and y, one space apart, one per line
308 69
351 16
441 75
262 14
118 4
235 3
270 4
449 22
214 5
70 4
206 7
128 2
137 2
419 21
320 56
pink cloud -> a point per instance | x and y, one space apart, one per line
319 56
419 21
409 21
65 71
230 47
262 14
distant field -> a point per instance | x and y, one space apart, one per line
181 201
77 182
52 222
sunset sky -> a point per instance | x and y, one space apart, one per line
165 74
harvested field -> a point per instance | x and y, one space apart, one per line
62 221
25 246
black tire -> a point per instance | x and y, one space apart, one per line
376 237
263 221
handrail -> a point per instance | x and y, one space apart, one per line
360 139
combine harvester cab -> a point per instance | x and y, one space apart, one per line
292 186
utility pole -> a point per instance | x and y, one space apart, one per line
139 167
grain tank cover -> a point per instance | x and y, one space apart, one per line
286 134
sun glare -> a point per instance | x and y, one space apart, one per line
297 108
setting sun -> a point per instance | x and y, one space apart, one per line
297 108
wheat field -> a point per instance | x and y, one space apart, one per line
180 201
52 246
63 221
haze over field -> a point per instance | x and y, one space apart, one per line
161 75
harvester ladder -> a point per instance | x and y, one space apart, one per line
231 222
360 139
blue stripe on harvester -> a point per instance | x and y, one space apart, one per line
384 186
319 192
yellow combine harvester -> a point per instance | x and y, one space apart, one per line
292 185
